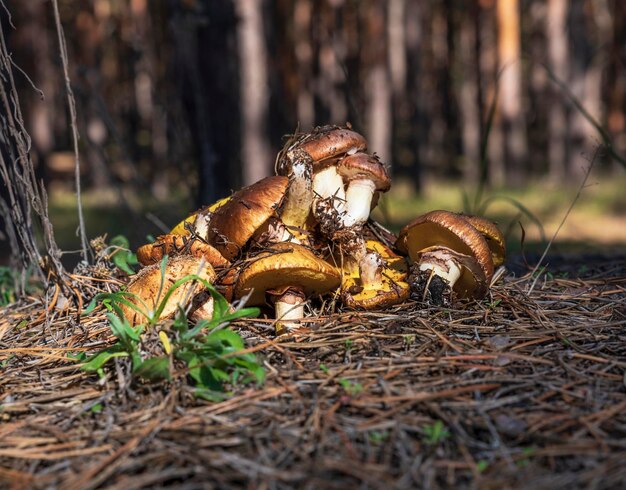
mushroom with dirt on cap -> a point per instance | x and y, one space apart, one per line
323 147
234 223
289 273
450 257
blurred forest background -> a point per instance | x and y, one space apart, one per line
181 101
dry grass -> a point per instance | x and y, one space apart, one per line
516 391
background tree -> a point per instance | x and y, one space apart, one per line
193 96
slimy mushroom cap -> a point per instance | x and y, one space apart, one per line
235 222
284 265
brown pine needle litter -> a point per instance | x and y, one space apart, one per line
521 390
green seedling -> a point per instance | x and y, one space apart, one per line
352 388
492 305
121 255
527 452
435 433
378 436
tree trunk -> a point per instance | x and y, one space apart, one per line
616 100
469 97
204 50
377 87
254 90
558 59
492 151
511 116
304 63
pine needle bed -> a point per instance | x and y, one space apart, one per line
519 390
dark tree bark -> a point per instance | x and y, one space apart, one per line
205 37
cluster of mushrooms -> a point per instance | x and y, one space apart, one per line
306 233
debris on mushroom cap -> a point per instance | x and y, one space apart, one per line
392 289
329 142
286 265
350 248
173 245
323 143
198 220
274 231
235 222
493 236
363 166
148 287
445 229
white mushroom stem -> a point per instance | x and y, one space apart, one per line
289 309
299 195
359 196
441 264
328 183
371 270
204 311
201 224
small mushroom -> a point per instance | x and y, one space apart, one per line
449 255
289 273
364 176
386 287
234 223
149 287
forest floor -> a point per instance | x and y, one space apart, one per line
524 389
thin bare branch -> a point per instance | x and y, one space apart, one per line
72 108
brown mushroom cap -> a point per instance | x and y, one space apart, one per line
445 229
286 265
493 236
323 143
172 245
235 222
364 166
148 282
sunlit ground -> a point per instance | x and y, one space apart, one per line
596 224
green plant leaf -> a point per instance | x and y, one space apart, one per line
225 337
96 362
154 369
122 257
210 395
